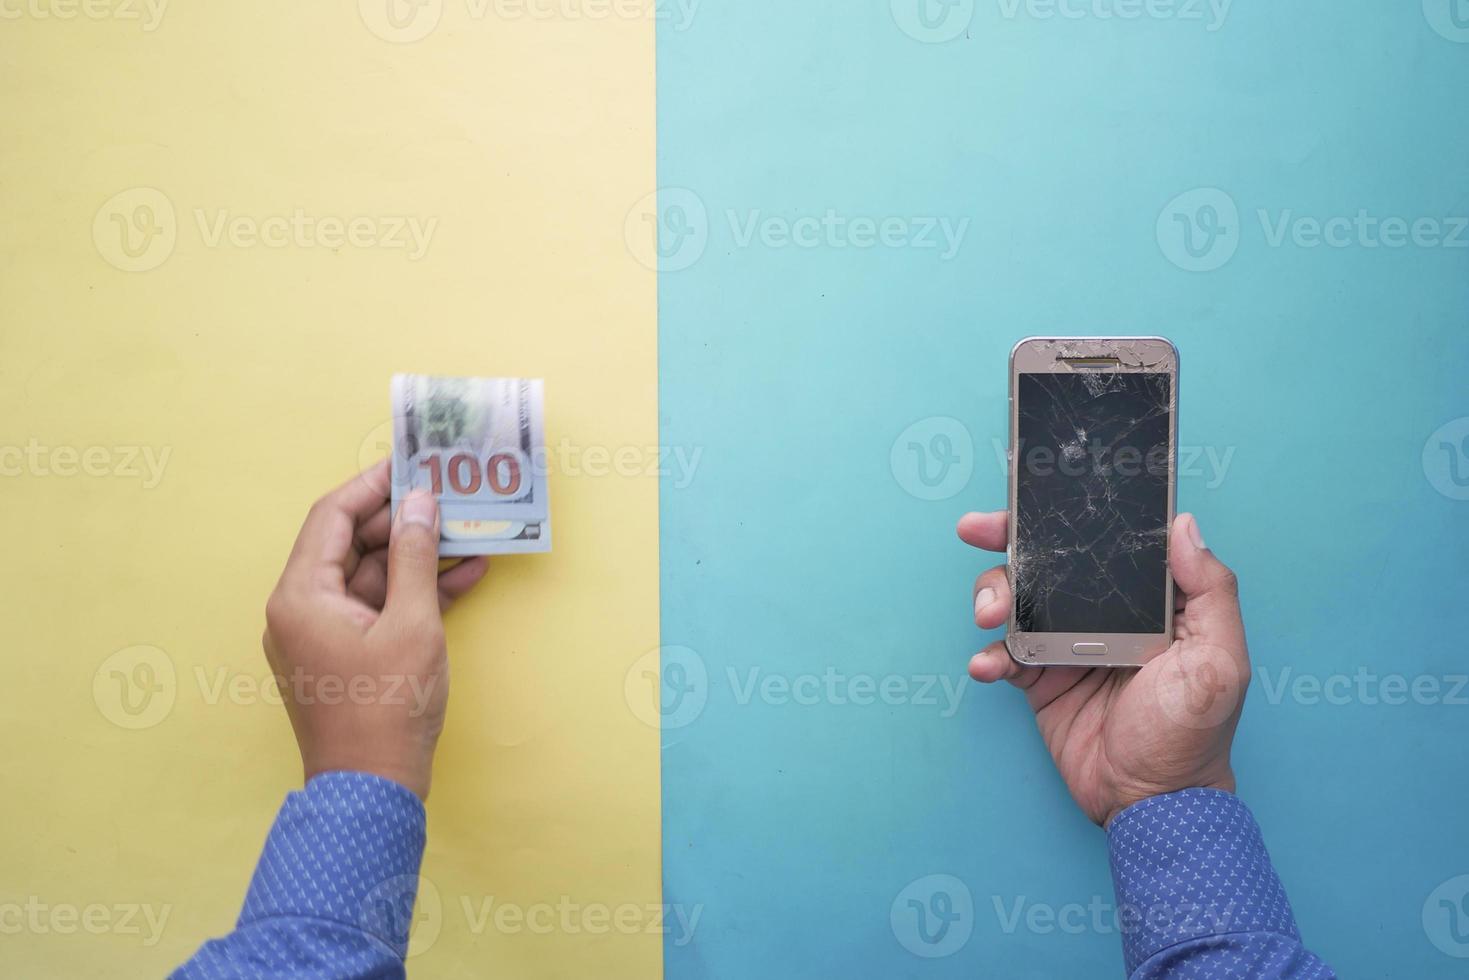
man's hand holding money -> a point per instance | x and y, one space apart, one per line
355 636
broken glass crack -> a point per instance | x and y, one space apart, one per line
1093 455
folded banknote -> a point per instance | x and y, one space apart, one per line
478 444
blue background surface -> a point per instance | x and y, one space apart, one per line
798 547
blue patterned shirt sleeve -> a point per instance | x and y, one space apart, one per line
333 894
1197 895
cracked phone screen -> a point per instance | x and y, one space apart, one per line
1092 484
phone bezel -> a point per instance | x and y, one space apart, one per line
1042 355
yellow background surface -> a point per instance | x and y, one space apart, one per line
261 369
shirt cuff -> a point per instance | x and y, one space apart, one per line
346 849
1192 865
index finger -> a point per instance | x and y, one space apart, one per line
988 531
325 539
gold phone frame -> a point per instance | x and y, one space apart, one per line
1052 355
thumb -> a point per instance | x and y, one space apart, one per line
413 560
1212 590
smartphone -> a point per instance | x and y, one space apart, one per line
1093 451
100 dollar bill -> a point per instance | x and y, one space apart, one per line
477 444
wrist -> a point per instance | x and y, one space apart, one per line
413 774
1224 782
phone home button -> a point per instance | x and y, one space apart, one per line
1089 649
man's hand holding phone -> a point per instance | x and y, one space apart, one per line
1121 735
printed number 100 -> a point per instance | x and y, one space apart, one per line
501 472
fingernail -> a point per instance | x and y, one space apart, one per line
1194 532
984 599
419 508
